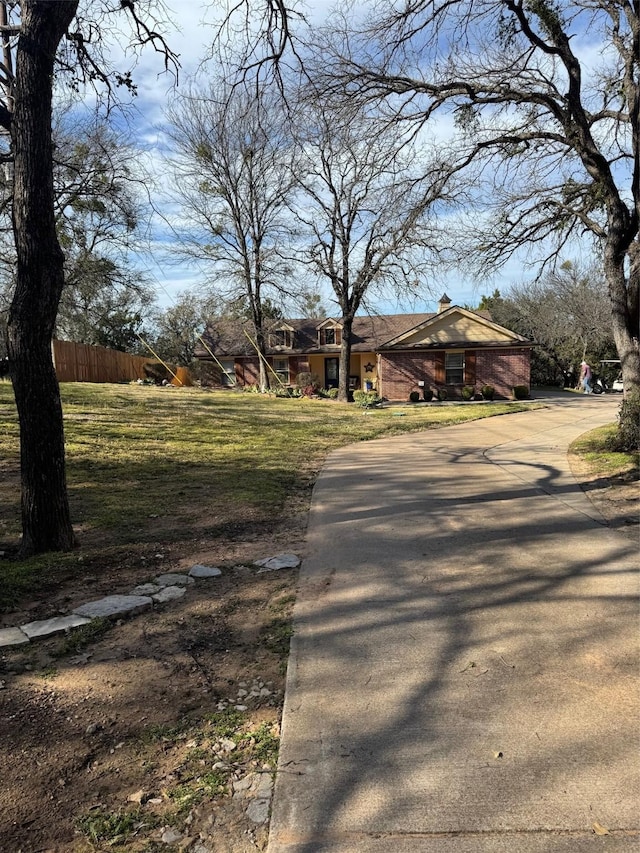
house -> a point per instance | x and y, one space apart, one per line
391 354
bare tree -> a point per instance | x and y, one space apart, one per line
560 132
365 208
234 172
566 312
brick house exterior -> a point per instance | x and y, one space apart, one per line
391 354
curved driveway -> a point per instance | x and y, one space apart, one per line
463 675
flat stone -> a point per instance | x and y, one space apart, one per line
171 836
280 561
12 637
173 579
199 571
114 605
258 811
265 786
56 625
146 589
169 593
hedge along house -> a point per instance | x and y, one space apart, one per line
391 354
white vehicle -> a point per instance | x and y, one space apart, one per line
611 378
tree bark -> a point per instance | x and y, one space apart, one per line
345 360
46 520
623 292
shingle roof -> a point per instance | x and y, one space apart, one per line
231 337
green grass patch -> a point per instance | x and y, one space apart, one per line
148 464
224 723
114 828
188 794
206 763
595 449
79 638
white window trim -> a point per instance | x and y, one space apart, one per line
459 370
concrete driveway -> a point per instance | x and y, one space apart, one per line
464 669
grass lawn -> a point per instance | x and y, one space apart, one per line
155 465
594 448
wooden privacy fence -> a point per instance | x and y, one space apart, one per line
84 363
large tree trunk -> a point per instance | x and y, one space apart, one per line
46 522
345 360
623 292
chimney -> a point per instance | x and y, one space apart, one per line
444 303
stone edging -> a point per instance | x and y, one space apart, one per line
164 588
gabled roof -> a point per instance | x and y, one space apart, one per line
330 323
453 327
228 338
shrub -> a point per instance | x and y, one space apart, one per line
332 393
366 399
427 394
442 394
628 436
488 392
307 383
414 396
520 392
467 392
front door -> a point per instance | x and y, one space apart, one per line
331 372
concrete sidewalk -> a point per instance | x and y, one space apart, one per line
463 676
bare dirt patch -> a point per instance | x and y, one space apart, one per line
161 726
617 499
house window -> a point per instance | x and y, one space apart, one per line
281 338
454 368
281 368
329 336
227 372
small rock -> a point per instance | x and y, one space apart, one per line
258 811
141 797
173 579
280 561
113 605
227 745
242 785
55 625
169 593
265 786
199 571
171 836
146 589
92 728
240 707
12 637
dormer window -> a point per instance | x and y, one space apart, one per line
282 337
329 335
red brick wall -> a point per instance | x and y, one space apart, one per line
504 368
247 371
400 372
